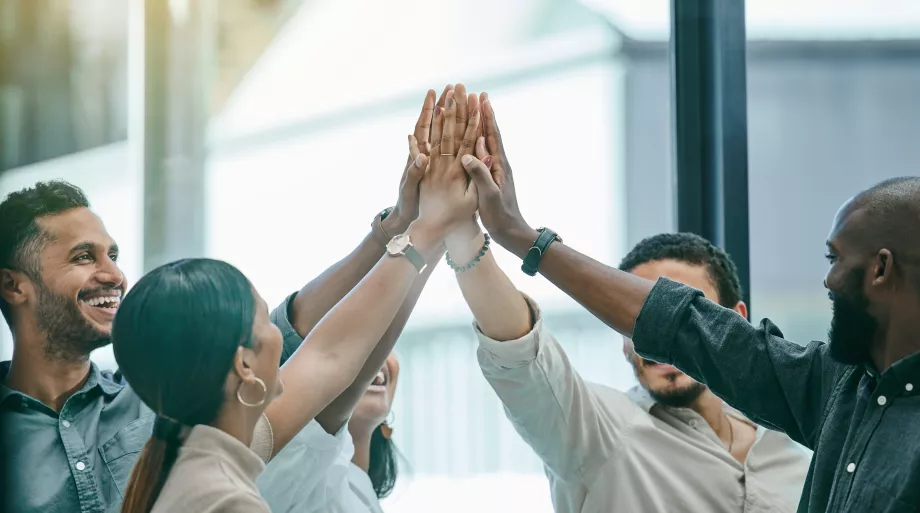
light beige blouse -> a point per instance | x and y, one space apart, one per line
216 473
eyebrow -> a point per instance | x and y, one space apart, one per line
90 247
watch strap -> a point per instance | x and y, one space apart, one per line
532 261
377 226
416 258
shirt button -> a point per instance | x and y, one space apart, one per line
882 400
66 423
909 387
851 468
81 466
693 424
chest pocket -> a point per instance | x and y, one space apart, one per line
121 452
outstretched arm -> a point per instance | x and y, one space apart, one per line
300 314
773 381
337 348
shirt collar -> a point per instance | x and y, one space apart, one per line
906 370
106 382
641 398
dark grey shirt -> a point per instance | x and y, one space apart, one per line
80 460
863 426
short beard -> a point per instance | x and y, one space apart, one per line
679 397
69 336
852 329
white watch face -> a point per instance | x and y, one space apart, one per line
398 244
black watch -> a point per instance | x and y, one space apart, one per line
538 249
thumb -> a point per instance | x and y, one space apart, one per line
480 174
417 168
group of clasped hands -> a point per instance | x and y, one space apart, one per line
457 157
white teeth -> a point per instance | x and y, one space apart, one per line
96 301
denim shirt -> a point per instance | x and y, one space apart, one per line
80 460
861 424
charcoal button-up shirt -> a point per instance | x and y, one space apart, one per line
864 426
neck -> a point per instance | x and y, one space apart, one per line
899 341
47 379
709 406
237 420
361 436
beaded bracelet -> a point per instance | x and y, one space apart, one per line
482 251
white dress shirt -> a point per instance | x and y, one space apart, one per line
314 474
608 451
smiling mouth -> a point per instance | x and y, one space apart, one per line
380 380
106 302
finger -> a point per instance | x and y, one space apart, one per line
423 124
481 152
493 136
416 169
480 174
414 150
450 126
463 113
437 128
468 141
442 100
435 156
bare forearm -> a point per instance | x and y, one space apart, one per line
318 296
339 345
499 308
334 416
613 296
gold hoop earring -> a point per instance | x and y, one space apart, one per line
239 396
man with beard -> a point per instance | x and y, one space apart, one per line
668 444
72 432
855 400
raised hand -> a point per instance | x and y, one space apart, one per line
448 197
491 172
406 209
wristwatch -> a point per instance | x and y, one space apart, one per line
532 261
402 246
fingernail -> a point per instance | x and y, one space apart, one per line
488 161
466 160
418 161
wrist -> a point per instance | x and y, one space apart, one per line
426 237
463 248
463 235
517 238
394 224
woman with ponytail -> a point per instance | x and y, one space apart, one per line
195 342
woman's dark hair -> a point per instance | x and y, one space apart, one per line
382 467
175 337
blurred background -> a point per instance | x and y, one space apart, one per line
268 133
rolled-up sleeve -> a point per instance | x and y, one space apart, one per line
280 317
773 381
553 409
